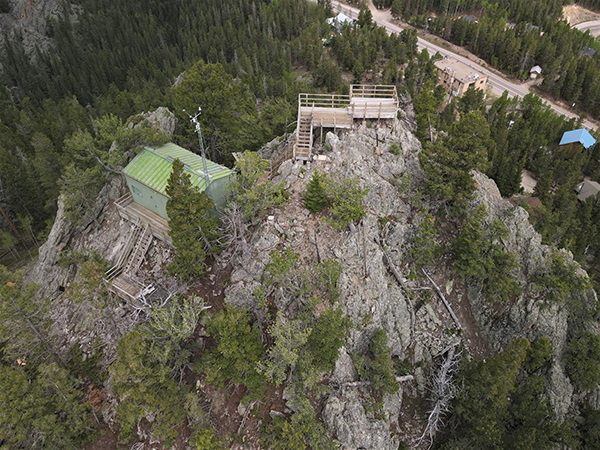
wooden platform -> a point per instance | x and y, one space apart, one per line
125 287
339 111
135 213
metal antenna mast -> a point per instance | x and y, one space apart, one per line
194 120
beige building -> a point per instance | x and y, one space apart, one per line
457 77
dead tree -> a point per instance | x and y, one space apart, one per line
402 283
235 233
443 298
443 389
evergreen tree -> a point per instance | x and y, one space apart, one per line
315 198
24 321
377 367
42 408
448 163
193 229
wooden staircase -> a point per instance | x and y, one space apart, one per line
117 269
141 247
119 277
304 138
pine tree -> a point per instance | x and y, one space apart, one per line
315 198
193 230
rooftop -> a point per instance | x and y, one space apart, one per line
582 136
460 70
536 69
587 189
153 166
590 52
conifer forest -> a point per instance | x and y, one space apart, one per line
401 289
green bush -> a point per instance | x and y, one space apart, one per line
377 367
346 201
206 440
538 354
302 431
395 148
425 247
558 279
327 337
583 361
239 349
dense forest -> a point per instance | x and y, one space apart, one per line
514 37
67 128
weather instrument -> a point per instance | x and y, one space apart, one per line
194 120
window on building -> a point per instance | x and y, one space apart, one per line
136 191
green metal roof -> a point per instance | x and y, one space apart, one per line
153 166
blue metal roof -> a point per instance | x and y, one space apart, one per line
582 136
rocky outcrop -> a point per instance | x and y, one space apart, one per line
373 299
162 119
529 315
28 21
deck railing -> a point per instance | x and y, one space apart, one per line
373 91
323 100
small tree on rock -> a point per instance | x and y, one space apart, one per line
315 198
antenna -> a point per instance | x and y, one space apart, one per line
194 120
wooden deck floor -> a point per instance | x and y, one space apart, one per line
133 212
125 287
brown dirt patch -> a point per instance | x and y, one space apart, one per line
575 14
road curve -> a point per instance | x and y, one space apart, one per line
593 26
498 83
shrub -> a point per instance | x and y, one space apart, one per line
302 430
583 361
239 348
346 201
558 278
255 197
327 337
377 367
537 355
395 149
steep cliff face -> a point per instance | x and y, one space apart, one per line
418 329
28 19
529 316
103 230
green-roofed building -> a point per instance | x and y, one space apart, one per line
148 173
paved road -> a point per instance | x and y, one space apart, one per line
593 26
498 83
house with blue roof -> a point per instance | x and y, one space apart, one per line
572 140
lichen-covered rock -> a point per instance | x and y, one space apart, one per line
529 315
345 416
30 20
162 119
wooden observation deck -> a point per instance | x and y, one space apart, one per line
145 226
340 111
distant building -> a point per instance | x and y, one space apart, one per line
457 77
339 21
588 53
587 189
535 72
471 19
148 173
572 140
